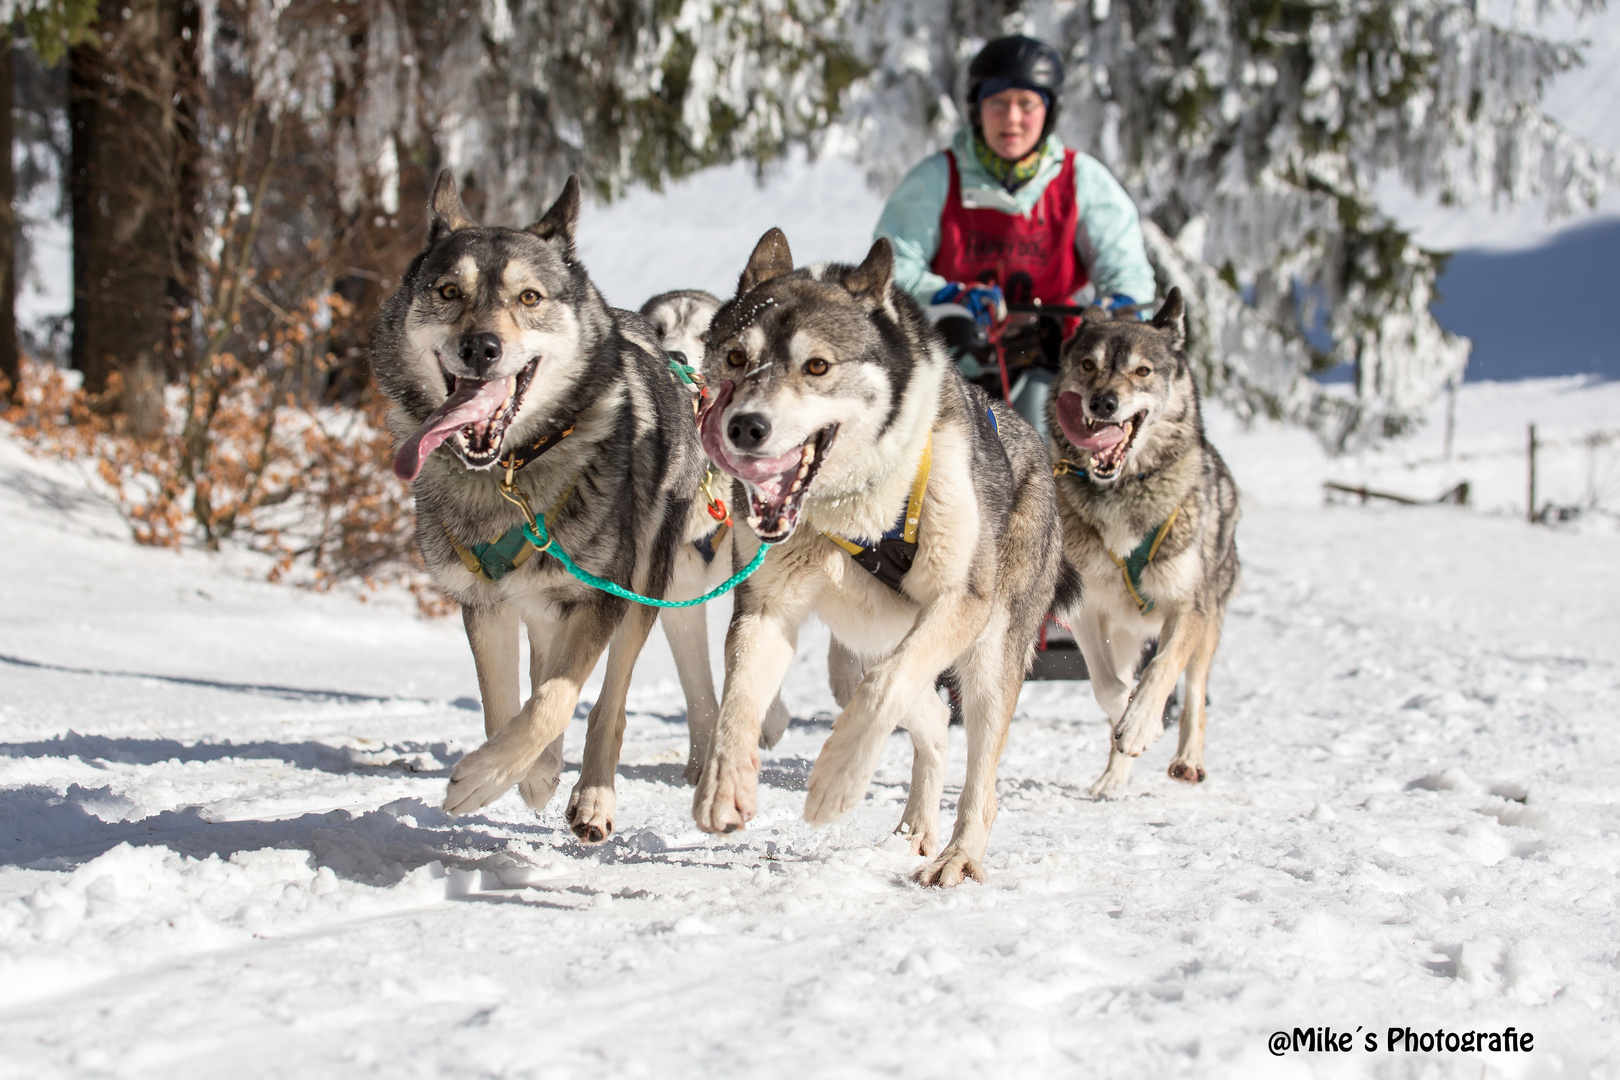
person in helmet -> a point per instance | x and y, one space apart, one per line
1009 214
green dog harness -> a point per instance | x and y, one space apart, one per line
1132 565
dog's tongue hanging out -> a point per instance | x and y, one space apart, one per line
1072 419
472 402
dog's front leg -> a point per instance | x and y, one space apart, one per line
759 648
492 632
1111 655
1143 722
849 757
484 775
990 675
590 807
687 631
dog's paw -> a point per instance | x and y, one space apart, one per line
1135 734
726 795
482 777
693 771
776 723
590 813
840 777
921 836
953 867
1111 783
1188 772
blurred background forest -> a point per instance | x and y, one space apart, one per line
244 180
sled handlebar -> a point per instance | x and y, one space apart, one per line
1065 311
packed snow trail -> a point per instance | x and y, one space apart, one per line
221 853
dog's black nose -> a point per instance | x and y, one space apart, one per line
480 351
748 431
1103 404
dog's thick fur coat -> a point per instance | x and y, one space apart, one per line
486 312
829 387
1124 416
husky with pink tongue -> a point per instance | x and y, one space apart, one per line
505 364
1149 518
914 516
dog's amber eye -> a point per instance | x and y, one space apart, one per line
736 358
816 366
1088 364
1143 372
450 291
528 298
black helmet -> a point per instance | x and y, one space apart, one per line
1022 61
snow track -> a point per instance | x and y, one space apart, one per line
221 853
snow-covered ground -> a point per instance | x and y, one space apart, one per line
220 852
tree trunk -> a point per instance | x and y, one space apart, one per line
124 187
10 370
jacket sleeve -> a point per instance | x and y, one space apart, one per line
1109 239
910 220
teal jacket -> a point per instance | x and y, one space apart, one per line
1108 238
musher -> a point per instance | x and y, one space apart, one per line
1009 215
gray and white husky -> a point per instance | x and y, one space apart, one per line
1150 514
507 369
914 516
681 319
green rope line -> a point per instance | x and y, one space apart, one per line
538 535
686 373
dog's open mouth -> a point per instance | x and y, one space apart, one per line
477 412
776 486
1108 443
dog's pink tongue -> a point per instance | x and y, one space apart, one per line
1072 419
761 471
471 402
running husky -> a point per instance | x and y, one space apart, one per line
1149 516
915 517
681 319
496 350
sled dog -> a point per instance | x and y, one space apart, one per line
915 517
680 319
1149 518
517 390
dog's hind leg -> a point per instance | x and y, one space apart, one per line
591 806
777 719
492 631
484 775
929 724
991 676
1188 765
844 768
843 672
540 783
687 631
1184 629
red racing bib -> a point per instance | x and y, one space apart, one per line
1031 256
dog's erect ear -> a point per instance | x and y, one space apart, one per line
448 213
562 219
1094 313
870 281
771 259
1172 316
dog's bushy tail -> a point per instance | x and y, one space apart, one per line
1066 598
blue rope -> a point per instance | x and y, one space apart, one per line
538 535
